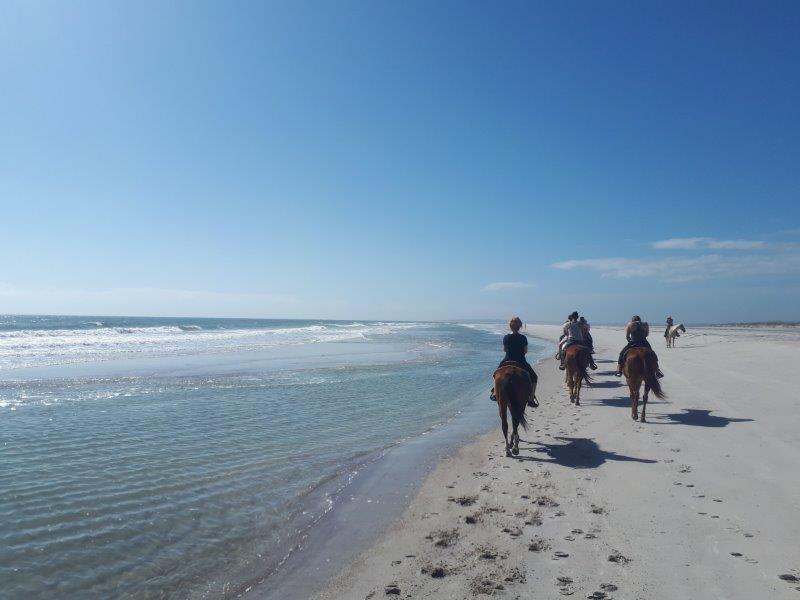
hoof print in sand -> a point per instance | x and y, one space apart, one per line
538 545
392 590
443 537
435 571
608 587
464 500
597 510
559 554
618 558
485 585
789 577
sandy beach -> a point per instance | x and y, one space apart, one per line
700 502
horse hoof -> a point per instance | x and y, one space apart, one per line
515 451
508 453
634 417
577 402
642 420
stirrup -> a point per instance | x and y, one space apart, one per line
562 367
618 374
533 402
492 397
593 366
659 374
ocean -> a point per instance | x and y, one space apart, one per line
161 457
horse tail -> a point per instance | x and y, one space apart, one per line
649 367
582 372
516 402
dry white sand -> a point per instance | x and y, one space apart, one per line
701 502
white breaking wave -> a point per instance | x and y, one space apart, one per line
37 347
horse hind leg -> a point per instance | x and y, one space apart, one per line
504 424
644 402
634 401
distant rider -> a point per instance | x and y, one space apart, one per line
669 326
515 345
636 333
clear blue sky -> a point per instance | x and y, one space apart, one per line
408 160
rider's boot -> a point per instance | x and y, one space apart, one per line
492 397
532 401
618 373
592 364
562 366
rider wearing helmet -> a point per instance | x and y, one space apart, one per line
636 333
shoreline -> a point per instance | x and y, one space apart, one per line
364 507
686 505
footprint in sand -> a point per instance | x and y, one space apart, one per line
559 554
617 557
392 589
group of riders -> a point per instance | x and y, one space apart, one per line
575 331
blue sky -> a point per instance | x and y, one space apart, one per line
401 160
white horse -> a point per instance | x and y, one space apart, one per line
673 333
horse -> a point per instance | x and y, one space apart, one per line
673 333
577 359
641 365
512 388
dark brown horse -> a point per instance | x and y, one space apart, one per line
641 365
512 387
577 360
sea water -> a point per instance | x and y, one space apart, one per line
150 458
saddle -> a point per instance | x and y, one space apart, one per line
636 344
510 363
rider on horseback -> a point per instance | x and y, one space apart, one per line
515 345
636 333
669 325
586 335
574 333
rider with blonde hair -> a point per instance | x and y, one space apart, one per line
515 345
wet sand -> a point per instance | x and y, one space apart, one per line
700 502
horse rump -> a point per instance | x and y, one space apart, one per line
650 368
515 385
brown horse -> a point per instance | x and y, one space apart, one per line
641 365
577 359
512 387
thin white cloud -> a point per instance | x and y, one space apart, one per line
708 243
500 286
682 268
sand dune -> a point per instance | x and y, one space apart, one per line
701 502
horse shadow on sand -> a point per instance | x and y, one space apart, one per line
621 402
577 453
698 418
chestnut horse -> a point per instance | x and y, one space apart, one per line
641 365
577 359
512 388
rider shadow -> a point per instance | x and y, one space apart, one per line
700 418
579 453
